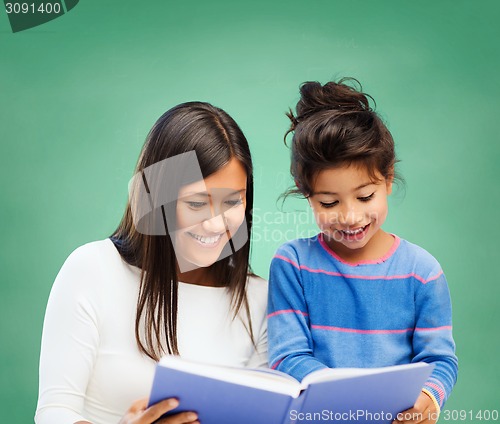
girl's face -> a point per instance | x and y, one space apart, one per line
349 208
209 212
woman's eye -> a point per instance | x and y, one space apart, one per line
366 198
328 204
196 205
234 202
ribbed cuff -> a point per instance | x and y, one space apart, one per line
434 400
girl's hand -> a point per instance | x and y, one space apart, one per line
424 411
139 413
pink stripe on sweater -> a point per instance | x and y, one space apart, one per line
358 331
436 381
287 311
273 367
444 327
438 389
435 277
359 277
391 251
299 267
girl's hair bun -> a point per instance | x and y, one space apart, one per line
334 125
315 97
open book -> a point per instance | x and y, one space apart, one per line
229 395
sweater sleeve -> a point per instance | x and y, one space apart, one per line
432 339
290 340
69 344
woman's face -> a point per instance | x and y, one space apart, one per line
208 213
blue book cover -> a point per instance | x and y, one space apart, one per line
373 395
225 395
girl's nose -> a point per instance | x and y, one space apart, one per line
349 216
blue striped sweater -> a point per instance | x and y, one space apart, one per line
324 312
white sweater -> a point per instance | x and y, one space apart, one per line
90 365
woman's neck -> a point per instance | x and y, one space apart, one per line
199 277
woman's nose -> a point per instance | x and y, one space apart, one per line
215 225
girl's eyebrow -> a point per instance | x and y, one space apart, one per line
356 189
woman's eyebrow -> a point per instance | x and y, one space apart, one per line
238 191
207 194
196 193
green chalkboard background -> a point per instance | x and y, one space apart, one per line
79 93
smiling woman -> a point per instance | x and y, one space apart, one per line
174 278
208 215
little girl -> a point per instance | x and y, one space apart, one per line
355 295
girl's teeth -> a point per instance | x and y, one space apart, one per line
351 233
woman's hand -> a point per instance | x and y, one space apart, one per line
423 412
139 413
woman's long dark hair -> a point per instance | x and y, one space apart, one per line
216 139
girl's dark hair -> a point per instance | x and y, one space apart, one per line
216 139
334 125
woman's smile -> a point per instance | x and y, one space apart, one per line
206 241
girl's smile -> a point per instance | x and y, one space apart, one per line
352 234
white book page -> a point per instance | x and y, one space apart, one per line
330 374
264 379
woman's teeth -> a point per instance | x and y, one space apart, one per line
206 240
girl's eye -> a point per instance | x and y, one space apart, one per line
367 198
328 205
234 202
196 205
